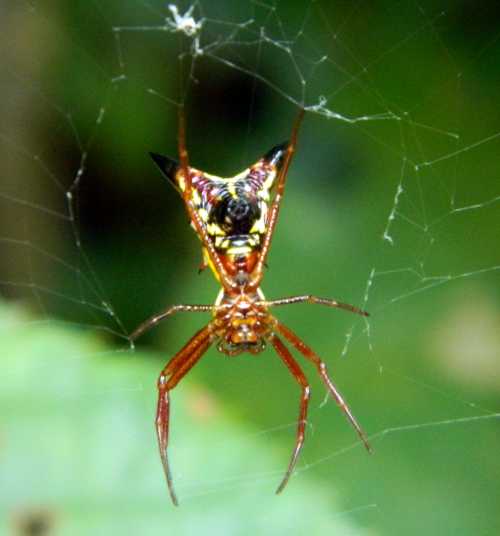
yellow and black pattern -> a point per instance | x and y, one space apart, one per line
234 210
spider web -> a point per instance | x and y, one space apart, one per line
392 203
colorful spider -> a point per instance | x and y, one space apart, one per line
235 219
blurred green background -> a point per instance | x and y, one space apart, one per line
87 90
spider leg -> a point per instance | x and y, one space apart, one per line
297 373
225 280
308 298
274 211
170 376
151 322
309 354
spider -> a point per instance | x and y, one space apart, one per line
235 219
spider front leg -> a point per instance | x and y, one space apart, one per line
308 353
226 281
275 207
170 376
295 369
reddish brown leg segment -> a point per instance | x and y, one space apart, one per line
170 376
309 298
258 272
200 227
302 347
295 369
151 322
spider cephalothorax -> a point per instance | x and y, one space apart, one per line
235 218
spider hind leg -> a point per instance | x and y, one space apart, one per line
297 373
320 365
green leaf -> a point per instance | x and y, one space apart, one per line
79 451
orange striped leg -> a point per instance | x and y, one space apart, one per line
297 373
302 347
170 376
309 298
200 227
258 272
154 320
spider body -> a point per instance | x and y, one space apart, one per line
235 218
232 209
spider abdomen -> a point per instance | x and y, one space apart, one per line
236 215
